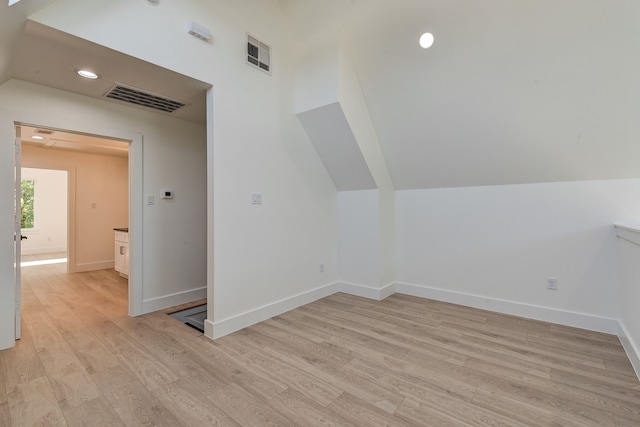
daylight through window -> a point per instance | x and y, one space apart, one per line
28 191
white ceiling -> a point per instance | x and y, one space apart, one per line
512 91
11 24
54 139
32 52
49 57
42 55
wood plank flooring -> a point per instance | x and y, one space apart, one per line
339 361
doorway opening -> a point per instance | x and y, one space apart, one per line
44 216
99 175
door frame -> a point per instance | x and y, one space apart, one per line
17 236
71 208
135 166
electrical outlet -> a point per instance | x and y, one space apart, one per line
552 283
321 268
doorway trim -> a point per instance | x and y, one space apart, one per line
135 165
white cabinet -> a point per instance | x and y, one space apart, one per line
122 253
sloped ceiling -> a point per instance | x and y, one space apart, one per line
39 54
512 92
50 58
12 20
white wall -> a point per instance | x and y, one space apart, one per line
263 255
359 238
49 233
494 247
174 155
317 79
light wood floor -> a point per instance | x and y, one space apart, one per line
339 361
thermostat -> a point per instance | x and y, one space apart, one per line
167 194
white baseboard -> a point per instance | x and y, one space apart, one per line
166 301
226 326
370 292
90 266
630 347
232 324
545 314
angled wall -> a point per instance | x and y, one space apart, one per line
332 136
332 109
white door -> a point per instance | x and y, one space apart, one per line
17 237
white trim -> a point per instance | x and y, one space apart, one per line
231 324
166 301
631 234
208 327
364 291
630 347
135 192
545 314
91 266
136 224
218 329
387 291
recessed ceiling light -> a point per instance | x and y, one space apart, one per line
426 40
36 137
87 74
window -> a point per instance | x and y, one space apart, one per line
12 2
28 187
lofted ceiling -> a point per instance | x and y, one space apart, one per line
511 92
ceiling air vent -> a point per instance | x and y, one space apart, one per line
258 54
144 99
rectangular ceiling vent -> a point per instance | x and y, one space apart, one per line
258 54
145 99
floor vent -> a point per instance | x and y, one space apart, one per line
144 99
194 316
